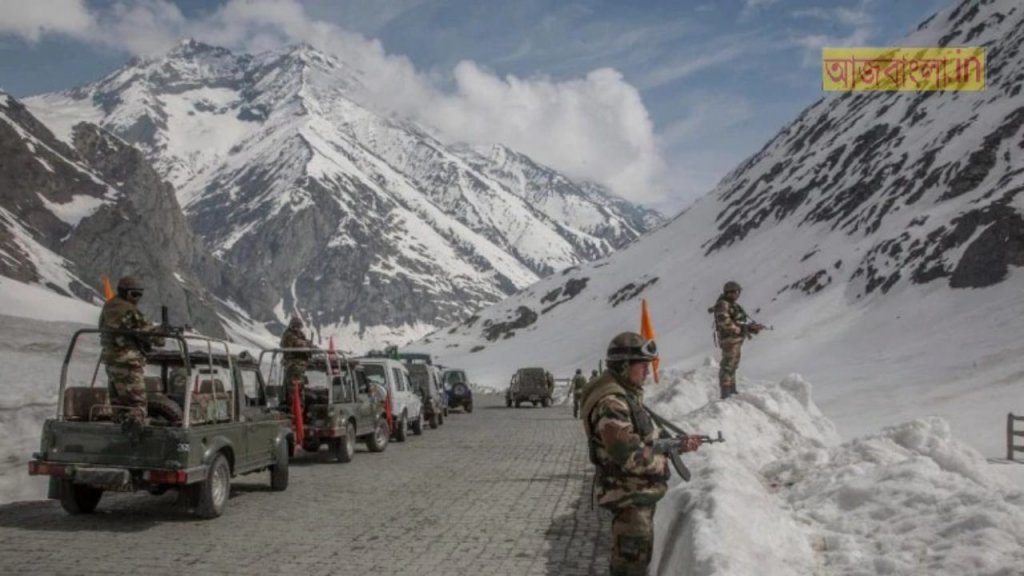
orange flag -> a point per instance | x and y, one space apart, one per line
647 331
108 292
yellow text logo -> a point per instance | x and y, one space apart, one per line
902 69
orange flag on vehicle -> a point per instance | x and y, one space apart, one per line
647 331
108 292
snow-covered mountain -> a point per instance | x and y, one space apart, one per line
882 234
71 212
368 224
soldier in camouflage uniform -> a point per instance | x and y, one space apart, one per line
632 467
732 327
294 364
125 355
578 382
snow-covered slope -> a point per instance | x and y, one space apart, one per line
881 234
369 224
783 496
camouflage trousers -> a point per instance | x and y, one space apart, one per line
632 540
127 386
294 372
727 368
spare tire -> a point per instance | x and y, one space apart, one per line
164 407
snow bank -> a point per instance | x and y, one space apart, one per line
782 495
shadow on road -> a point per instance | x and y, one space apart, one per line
116 513
578 541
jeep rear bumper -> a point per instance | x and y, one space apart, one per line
117 477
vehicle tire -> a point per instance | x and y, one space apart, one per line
311 447
445 412
545 402
279 471
534 404
469 407
344 448
402 433
435 420
215 490
379 440
517 403
164 407
417 425
508 402
79 498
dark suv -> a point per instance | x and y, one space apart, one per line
425 381
534 385
456 386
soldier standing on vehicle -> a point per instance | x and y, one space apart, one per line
294 363
578 382
632 467
125 355
732 327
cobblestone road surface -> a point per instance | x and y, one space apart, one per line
499 491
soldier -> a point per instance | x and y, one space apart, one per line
593 375
732 327
125 355
632 469
294 363
578 382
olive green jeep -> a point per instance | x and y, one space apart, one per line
338 405
208 420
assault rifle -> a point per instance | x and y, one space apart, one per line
751 327
672 432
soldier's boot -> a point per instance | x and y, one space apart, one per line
728 391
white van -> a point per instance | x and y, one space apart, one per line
406 406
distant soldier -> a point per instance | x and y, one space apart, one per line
632 467
578 382
732 327
294 363
593 375
125 354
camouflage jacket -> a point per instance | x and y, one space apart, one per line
293 338
730 321
120 314
621 438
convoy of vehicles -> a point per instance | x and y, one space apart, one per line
211 416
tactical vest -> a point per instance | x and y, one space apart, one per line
607 385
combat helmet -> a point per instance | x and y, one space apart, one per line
732 286
630 346
295 323
127 283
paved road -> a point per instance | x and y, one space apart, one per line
497 492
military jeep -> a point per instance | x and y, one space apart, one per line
534 385
426 381
338 405
207 421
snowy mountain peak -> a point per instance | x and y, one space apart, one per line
372 221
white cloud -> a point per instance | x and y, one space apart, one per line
31 19
594 128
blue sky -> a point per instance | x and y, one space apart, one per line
716 79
